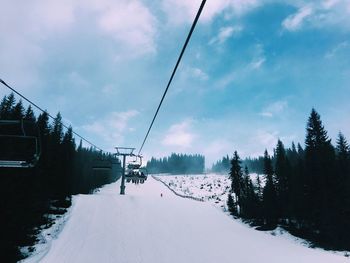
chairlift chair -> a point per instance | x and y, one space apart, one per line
135 173
19 144
102 165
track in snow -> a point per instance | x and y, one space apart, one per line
142 227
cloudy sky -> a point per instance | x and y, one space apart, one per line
251 74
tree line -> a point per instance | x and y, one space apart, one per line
306 191
177 164
255 164
28 196
222 166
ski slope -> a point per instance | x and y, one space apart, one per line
143 227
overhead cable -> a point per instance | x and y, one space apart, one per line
174 71
48 114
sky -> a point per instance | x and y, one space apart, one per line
250 75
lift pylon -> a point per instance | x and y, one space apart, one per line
124 151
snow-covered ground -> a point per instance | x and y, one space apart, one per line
144 227
211 188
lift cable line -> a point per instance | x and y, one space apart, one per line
174 71
48 114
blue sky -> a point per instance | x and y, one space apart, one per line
251 74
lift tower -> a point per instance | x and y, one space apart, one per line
124 151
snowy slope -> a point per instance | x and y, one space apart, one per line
144 227
211 188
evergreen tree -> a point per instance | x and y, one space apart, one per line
236 177
259 188
282 171
177 164
342 199
319 162
232 207
343 151
6 107
292 155
68 155
57 130
3 112
29 114
269 193
249 200
17 112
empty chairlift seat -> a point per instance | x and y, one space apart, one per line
19 144
102 165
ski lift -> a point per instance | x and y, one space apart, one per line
102 165
20 144
133 165
135 173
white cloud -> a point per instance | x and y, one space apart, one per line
53 15
27 27
195 72
112 127
224 34
264 140
198 73
180 135
338 48
327 4
295 21
184 11
241 73
258 57
274 108
130 23
319 14
23 26
215 149
256 64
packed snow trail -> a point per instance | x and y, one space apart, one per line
143 227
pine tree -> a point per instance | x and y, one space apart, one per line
249 200
6 106
342 199
259 188
301 152
29 114
269 193
292 155
232 207
282 171
57 130
236 177
342 149
17 112
68 155
319 174
3 113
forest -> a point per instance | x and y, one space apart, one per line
304 190
31 197
255 164
177 164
